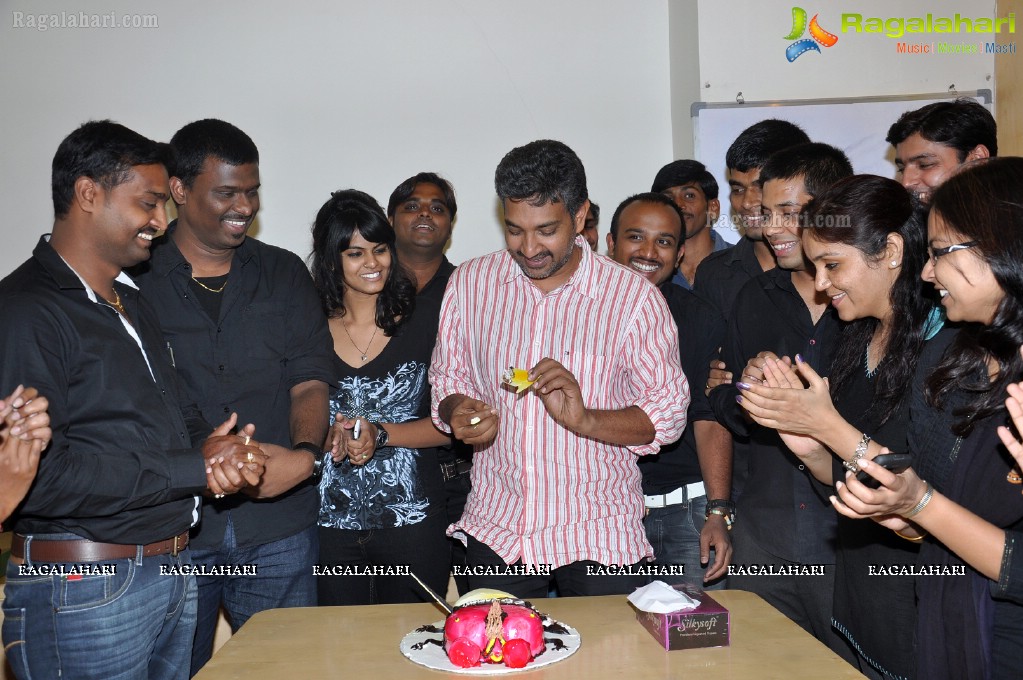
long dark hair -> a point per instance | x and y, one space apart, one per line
984 204
346 212
861 211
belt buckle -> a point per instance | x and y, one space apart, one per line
175 549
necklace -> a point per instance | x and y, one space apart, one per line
212 290
866 360
866 363
116 303
363 352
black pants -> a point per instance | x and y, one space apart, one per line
456 490
422 547
571 579
804 599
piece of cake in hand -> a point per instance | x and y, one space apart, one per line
517 378
489 626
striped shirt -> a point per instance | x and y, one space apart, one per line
540 492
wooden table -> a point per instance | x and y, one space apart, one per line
362 642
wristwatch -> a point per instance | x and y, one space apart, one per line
317 452
382 436
724 509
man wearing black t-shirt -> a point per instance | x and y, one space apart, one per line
246 331
99 582
422 210
682 525
784 521
722 274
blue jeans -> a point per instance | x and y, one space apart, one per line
674 533
284 578
133 623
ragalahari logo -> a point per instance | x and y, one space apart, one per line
818 36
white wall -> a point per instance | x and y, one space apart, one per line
346 93
353 93
684 27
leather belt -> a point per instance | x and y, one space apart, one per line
676 497
90 551
456 468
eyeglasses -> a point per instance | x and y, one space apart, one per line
935 253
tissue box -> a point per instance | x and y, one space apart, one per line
705 626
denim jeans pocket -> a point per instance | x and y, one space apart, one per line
14 641
95 590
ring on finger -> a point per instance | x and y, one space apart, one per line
250 457
247 440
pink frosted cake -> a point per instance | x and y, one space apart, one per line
493 627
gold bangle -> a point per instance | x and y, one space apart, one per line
914 539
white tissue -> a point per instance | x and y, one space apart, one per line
658 597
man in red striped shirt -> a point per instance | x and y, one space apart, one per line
555 485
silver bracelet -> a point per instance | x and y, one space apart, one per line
861 450
924 500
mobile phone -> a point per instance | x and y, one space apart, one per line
893 462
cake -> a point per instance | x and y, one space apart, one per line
517 378
489 626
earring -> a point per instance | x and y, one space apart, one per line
895 263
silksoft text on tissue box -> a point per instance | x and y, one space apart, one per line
705 626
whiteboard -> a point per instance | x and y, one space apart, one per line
858 126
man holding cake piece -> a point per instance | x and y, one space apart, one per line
556 491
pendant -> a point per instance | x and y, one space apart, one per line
363 357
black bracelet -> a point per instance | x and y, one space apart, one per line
722 508
317 452
721 503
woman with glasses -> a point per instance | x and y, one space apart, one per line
962 498
868 249
381 493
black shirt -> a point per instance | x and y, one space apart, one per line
430 298
882 627
779 500
121 467
398 486
434 289
718 279
701 330
721 275
961 631
271 335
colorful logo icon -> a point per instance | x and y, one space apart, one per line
818 36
